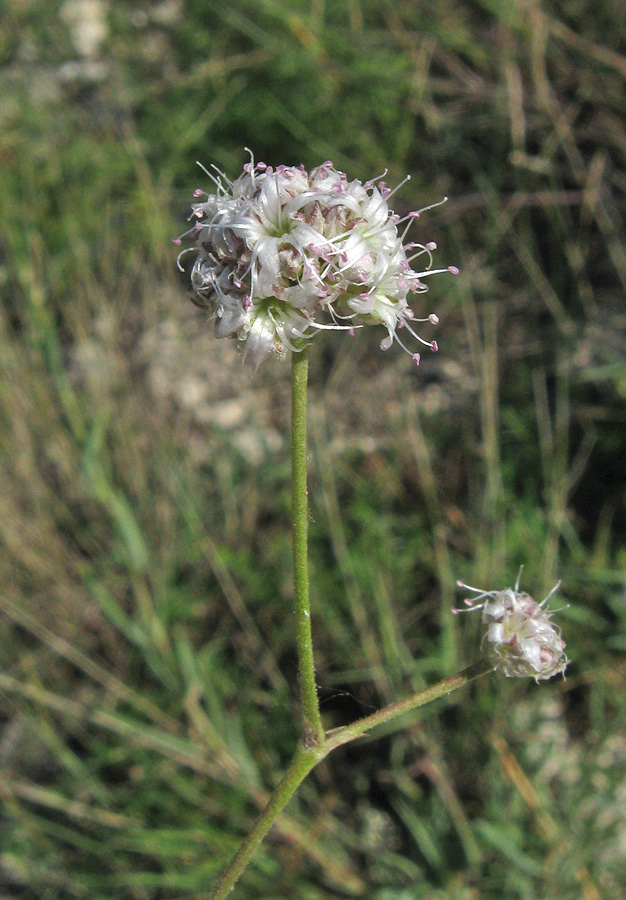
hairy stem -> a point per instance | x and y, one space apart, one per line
338 736
315 743
301 765
312 722
307 758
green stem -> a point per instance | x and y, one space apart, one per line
315 743
338 736
312 721
301 765
307 758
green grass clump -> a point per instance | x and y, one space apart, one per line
147 665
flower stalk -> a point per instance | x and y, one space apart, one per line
313 732
315 744
338 736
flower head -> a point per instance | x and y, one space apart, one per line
281 254
521 639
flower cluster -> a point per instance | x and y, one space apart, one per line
283 253
521 639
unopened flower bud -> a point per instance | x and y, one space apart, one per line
520 637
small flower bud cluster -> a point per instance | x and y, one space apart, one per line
521 639
283 253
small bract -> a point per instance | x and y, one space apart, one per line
521 640
282 254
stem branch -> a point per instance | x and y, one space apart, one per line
307 758
315 743
338 736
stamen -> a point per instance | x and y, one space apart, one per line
551 594
215 180
182 253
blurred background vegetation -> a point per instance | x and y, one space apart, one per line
147 677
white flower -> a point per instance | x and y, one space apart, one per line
283 254
521 639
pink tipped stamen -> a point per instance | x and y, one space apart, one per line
410 315
416 214
428 272
469 604
370 184
397 187
432 206
398 341
421 250
481 593
178 240
453 270
421 340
